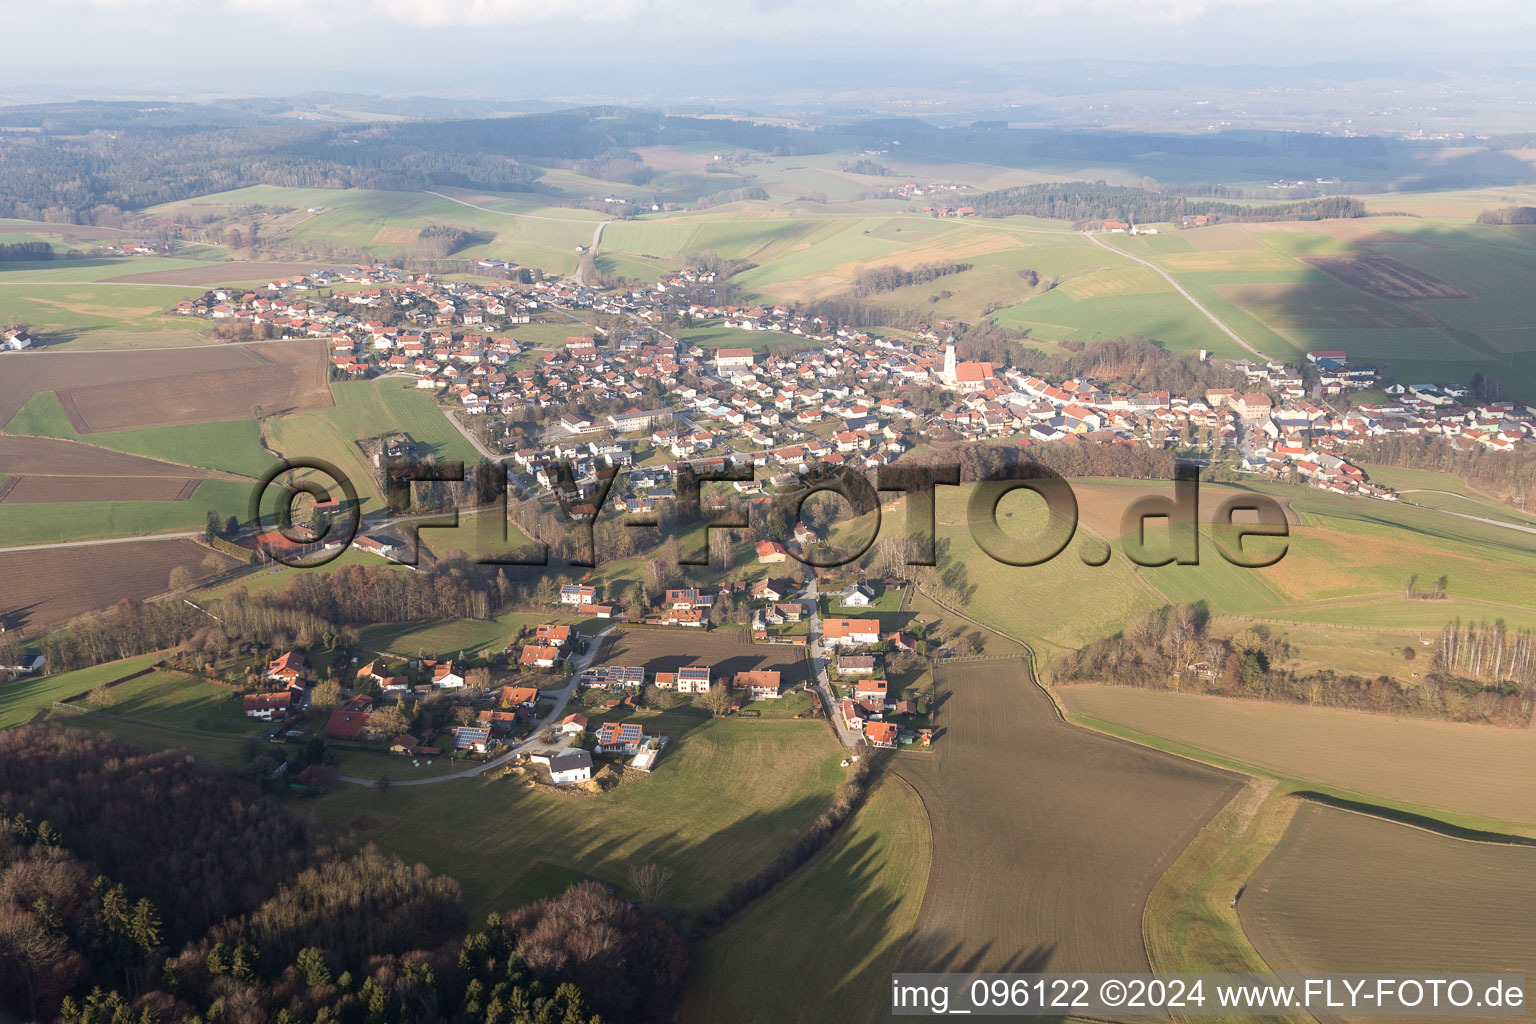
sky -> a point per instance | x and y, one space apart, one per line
674 49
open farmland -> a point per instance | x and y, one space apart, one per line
723 800
1440 767
21 490
110 391
48 456
1047 839
1350 893
46 587
177 700
865 891
726 652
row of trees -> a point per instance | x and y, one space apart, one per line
1084 202
1508 474
1482 674
889 277
18 252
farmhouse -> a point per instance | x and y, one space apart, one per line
519 696
570 593
771 552
870 689
471 737
763 683
551 634
693 679
621 738
346 725
851 632
541 655
881 734
269 707
288 669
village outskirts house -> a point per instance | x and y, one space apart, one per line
850 632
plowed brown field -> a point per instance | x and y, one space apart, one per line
1047 838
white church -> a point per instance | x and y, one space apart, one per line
966 376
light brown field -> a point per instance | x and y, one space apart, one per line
1452 766
1123 281
396 236
119 390
1101 507
1047 838
1350 893
24 489
47 587
1222 237
1231 259
1386 277
233 272
52 456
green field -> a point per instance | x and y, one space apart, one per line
383 224
95 315
368 409
21 700
835 929
233 446
176 701
723 797
53 521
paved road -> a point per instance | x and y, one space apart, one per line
851 738
1212 317
562 698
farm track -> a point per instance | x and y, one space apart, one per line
1047 839
1212 317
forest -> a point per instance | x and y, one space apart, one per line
1085 202
1487 675
73 171
1506 474
255 916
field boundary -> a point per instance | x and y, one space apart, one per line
1300 785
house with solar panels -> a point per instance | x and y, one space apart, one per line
471 737
622 738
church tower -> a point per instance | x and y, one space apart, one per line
948 374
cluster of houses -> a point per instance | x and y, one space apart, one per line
871 709
838 401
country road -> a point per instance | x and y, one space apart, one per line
597 231
562 699
1212 317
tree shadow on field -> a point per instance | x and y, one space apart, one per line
937 952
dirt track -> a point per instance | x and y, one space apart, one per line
1046 838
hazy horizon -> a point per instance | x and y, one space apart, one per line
659 51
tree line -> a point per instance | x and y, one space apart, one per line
890 277
1481 674
20 252
1084 202
1508 474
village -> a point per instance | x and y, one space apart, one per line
822 393
565 698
